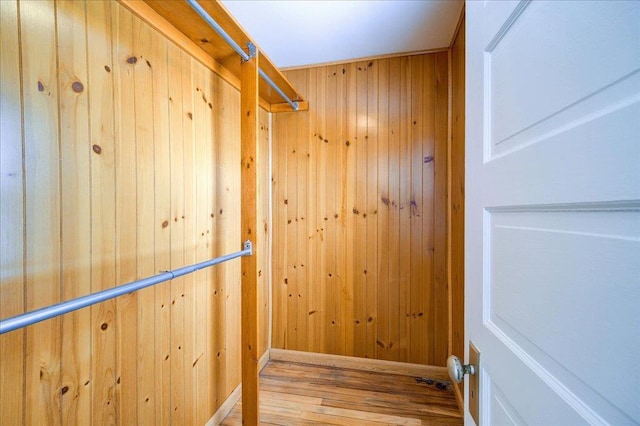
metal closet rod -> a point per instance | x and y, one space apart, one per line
48 312
245 57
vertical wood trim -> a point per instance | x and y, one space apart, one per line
399 350
349 208
291 255
145 200
340 214
416 327
385 122
302 262
313 222
362 211
103 210
331 211
263 185
158 64
200 360
268 186
42 194
390 325
176 225
12 410
441 302
456 194
371 189
277 280
126 212
425 312
190 239
75 178
249 134
322 194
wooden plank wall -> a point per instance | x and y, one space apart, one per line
457 194
360 211
119 158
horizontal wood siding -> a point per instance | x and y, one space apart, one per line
119 158
360 211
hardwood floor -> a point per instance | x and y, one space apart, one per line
302 394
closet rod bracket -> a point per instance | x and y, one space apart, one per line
248 246
251 48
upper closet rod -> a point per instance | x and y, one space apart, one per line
245 57
29 318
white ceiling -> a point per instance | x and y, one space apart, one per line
295 33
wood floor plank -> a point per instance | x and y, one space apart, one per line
299 394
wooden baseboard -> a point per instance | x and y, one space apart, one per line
226 407
235 396
363 364
459 397
264 359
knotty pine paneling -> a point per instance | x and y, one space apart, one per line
119 158
360 213
457 193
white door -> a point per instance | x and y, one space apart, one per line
553 210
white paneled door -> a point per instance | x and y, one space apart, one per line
553 210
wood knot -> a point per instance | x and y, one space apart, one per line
132 60
40 86
64 390
77 87
104 326
97 149
107 68
165 223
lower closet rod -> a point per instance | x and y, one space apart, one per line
32 317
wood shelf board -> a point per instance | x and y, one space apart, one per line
181 16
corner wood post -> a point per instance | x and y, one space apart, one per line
249 134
